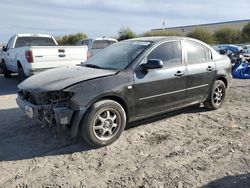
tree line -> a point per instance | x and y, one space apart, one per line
220 36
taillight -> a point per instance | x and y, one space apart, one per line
29 56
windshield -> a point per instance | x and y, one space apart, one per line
117 56
34 41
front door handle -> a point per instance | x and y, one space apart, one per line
209 68
179 73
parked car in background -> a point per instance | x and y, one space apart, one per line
96 44
28 54
246 50
1 51
127 81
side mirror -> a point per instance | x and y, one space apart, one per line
153 64
4 49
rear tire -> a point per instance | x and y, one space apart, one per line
103 123
21 74
6 72
217 96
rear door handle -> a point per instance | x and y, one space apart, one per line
179 73
209 68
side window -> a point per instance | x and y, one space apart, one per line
20 42
9 43
208 53
13 41
169 52
196 53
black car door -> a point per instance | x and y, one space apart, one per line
157 90
200 70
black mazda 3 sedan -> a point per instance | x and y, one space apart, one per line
127 81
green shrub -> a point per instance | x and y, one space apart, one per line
160 33
227 36
71 39
202 34
246 33
125 33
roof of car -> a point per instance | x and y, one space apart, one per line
159 38
104 38
100 38
32 35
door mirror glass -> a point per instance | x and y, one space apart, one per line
153 64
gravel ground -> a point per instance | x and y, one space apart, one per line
188 148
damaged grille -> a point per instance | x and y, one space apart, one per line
52 108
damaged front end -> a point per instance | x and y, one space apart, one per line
51 108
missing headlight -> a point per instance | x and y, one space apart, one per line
59 96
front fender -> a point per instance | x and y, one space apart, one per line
88 92
85 93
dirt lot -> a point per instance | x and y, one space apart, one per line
189 148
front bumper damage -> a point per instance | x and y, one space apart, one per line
61 115
52 109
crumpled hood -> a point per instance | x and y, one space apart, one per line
60 78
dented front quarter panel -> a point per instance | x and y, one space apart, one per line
114 86
110 87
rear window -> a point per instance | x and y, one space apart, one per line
196 53
100 44
34 41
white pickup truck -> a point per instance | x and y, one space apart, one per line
28 54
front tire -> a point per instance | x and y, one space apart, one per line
217 96
103 123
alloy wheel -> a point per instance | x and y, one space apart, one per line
218 95
106 124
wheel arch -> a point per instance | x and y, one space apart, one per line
223 79
76 125
19 64
117 99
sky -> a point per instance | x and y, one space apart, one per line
99 18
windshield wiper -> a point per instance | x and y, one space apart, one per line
92 66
